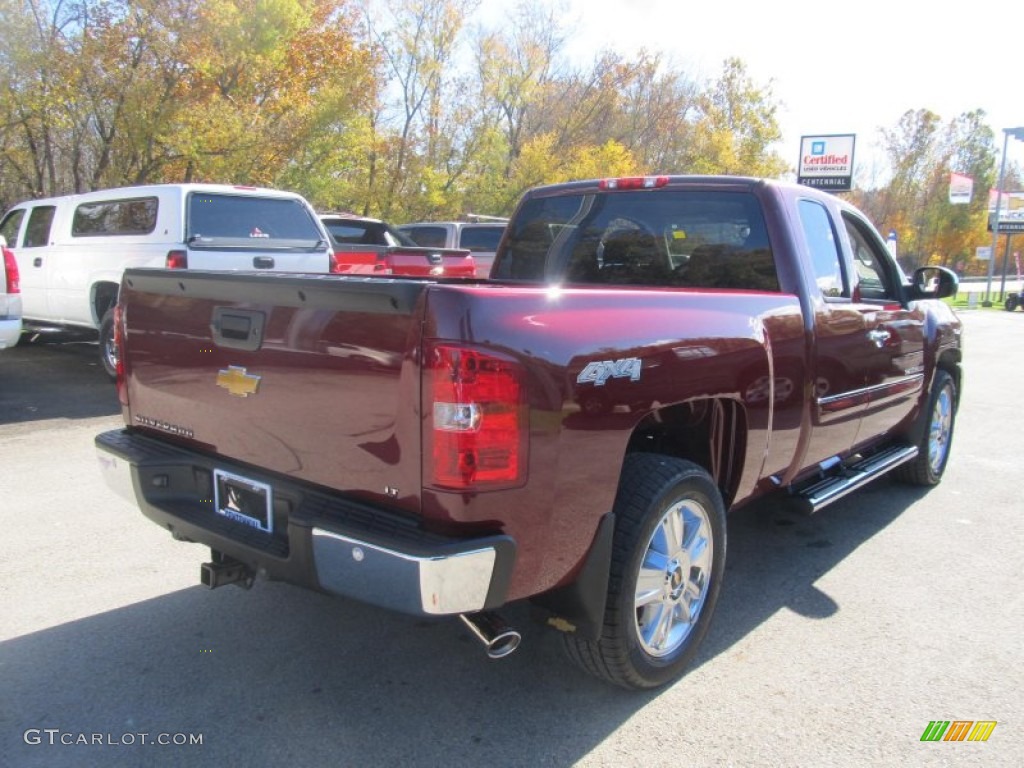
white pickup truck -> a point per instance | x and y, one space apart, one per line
71 251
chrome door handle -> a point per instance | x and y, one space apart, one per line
879 337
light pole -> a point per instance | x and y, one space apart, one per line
1017 133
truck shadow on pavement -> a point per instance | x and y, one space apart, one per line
280 676
56 376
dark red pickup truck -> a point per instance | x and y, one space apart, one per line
648 353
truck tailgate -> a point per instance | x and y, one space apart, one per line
402 260
313 379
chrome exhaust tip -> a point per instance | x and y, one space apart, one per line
499 638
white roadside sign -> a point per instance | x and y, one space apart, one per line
826 162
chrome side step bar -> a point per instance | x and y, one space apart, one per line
822 493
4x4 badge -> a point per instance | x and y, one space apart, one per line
598 373
237 382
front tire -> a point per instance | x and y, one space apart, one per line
108 346
937 436
667 565
1011 303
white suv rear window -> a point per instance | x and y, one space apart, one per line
216 220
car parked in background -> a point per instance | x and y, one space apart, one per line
72 250
365 246
348 228
479 237
1014 300
10 298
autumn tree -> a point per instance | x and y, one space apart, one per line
108 92
735 127
922 153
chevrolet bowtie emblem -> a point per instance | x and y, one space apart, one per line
237 382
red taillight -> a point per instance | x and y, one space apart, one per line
360 262
475 435
634 182
122 379
177 260
11 271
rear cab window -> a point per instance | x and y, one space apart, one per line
481 239
672 238
353 232
427 237
219 221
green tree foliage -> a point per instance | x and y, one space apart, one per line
735 127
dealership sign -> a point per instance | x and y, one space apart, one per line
826 162
961 188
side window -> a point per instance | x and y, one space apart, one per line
115 217
871 263
349 232
11 225
37 233
821 241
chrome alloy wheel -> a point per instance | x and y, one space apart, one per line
674 577
939 430
110 353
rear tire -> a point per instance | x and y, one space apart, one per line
936 439
1011 303
668 560
108 348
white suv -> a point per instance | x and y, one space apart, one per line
72 251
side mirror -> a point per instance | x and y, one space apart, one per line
933 283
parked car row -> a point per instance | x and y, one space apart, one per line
68 253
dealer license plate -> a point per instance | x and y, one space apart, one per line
243 500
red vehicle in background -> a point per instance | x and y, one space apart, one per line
10 297
365 246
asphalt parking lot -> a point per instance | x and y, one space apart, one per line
837 640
